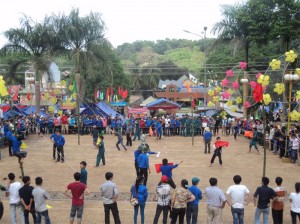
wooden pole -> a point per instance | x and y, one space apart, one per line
264 142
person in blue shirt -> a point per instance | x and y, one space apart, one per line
236 129
143 164
83 172
8 136
207 136
41 122
60 142
148 124
177 126
137 153
53 138
140 193
113 124
166 170
192 207
16 143
172 126
158 129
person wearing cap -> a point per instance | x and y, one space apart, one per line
143 164
207 136
163 197
166 170
192 207
137 153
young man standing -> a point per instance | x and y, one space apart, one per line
101 152
278 203
192 207
109 193
207 139
143 164
264 195
216 201
237 197
166 170
60 142
217 153
95 135
83 172
14 199
53 138
78 191
27 201
40 197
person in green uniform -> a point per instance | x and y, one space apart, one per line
136 129
188 126
101 151
182 125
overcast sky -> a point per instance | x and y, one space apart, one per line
126 20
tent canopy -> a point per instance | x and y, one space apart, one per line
162 104
32 109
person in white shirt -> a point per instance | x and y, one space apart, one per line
14 199
295 148
271 137
237 197
295 203
167 126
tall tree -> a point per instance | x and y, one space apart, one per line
31 39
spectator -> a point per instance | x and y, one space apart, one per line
192 207
295 206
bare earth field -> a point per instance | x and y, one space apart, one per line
236 160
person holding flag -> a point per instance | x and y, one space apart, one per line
218 151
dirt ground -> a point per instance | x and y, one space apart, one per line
56 176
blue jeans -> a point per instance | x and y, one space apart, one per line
13 213
39 217
238 215
191 214
265 212
136 212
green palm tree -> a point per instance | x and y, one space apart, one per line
31 40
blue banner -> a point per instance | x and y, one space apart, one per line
118 104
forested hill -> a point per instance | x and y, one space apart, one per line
147 61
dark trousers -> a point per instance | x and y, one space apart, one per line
277 216
26 216
120 142
294 216
60 153
144 173
159 209
219 155
9 148
272 144
178 212
191 213
137 170
100 156
115 212
128 140
54 151
207 146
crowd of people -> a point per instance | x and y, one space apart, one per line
177 202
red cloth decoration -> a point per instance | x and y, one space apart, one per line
188 88
221 144
157 167
193 103
125 94
258 93
15 97
28 96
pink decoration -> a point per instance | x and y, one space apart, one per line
253 84
224 82
225 95
258 75
243 65
235 85
229 73
247 104
264 88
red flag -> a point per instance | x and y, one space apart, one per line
195 95
125 94
221 144
258 93
188 88
28 96
15 97
193 103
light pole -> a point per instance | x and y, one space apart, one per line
290 78
203 36
245 93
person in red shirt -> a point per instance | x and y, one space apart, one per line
142 125
78 191
64 124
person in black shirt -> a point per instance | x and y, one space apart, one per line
95 135
27 201
264 195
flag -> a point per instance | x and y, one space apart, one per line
258 93
151 132
193 103
221 144
28 96
74 90
124 94
195 95
15 97
188 88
